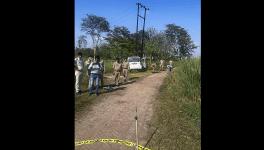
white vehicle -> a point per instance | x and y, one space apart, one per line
134 63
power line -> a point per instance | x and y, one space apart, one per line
139 5
124 18
125 13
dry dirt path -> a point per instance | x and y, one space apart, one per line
113 116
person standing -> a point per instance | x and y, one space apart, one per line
78 63
161 65
153 66
96 71
170 66
87 64
125 66
117 66
171 62
103 70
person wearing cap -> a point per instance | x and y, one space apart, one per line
78 63
96 73
125 66
117 66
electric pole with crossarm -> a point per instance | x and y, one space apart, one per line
139 5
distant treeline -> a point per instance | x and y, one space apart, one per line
172 43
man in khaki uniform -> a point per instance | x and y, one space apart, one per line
125 66
153 66
117 66
161 65
103 70
121 71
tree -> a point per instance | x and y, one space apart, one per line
120 42
152 43
95 26
186 45
179 41
156 45
82 43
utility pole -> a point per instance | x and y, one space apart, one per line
143 33
142 41
137 27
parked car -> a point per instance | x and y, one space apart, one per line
135 63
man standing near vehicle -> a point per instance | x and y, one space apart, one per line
117 66
96 71
125 66
78 63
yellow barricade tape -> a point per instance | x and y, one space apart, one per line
125 142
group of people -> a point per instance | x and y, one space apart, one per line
95 72
96 68
120 68
162 66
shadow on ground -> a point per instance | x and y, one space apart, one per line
133 78
155 72
106 90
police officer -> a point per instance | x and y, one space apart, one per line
153 66
125 66
161 65
117 66
78 72
103 70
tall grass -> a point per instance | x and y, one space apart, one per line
178 108
108 66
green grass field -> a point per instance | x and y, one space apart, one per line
177 110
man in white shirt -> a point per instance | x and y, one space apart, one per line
170 66
78 61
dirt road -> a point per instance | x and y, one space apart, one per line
113 116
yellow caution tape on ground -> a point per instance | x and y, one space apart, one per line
125 142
